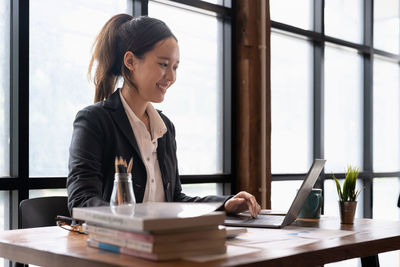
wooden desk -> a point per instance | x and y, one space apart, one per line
53 246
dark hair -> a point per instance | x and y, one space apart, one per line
120 34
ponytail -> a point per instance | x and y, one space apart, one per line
120 34
105 50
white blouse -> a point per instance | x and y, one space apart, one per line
148 143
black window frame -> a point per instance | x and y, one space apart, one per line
367 51
18 183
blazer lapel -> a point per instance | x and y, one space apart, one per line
114 104
161 162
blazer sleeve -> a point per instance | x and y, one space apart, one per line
178 195
84 182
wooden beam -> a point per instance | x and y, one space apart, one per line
253 125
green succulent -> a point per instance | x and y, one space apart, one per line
349 192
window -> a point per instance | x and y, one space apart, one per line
4 88
343 20
4 216
353 106
343 108
293 12
291 84
386 116
194 103
61 37
386 26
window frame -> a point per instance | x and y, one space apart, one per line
367 51
19 183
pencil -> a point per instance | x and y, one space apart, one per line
130 165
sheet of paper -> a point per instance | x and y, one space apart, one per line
231 251
262 234
280 244
274 238
317 233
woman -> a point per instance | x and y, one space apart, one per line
123 122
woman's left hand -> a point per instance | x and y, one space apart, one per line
243 201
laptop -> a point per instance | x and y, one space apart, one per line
280 221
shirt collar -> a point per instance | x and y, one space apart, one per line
157 125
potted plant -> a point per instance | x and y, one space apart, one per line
348 195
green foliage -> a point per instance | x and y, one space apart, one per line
349 192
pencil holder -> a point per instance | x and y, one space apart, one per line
122 193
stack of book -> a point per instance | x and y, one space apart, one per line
156 231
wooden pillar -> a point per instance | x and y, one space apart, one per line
253 110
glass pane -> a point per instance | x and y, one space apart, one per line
386 116
200 190
389 259
194 103
4 88
47 193
344 19
4 216
4 211
59 59
283 194
293 12
346 263
387 25
226 3
215 2
291 104
331 199
343 109
385 196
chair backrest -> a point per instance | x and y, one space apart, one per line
42 211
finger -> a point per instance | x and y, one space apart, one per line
249 207
254 206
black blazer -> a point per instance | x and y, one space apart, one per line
101 132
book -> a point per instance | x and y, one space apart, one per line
211 249
217 236
158 248
207 232
152 216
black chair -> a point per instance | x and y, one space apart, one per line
39 212
42 211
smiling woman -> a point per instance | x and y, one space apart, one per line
123 122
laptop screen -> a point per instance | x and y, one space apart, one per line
304 191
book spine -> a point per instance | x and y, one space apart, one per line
145 237
153 256
118 249
136 245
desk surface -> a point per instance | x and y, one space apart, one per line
53 246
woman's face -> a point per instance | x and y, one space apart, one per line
156 71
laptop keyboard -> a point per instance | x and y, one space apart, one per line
266 219
259 221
